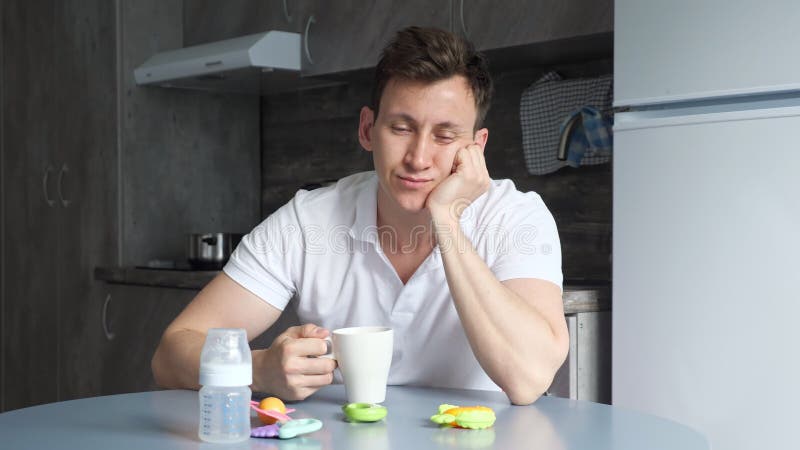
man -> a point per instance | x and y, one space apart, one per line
466 270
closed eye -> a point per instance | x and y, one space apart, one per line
445 138
400 129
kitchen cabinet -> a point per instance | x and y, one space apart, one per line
492 24
86 55
349 35
134 320
30 208
345 36
58 153
586 373
206 21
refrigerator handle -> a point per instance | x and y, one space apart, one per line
569 129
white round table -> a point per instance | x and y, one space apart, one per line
168 420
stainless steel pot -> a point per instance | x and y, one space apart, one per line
210 251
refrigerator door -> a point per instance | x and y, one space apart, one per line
679 50
706 259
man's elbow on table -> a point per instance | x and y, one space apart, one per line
527 388
161 374
170 370
524 393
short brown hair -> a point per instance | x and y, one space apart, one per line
429 55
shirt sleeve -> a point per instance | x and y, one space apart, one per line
530 246
263 261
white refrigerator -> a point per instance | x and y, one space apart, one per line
706 237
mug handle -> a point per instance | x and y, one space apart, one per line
329 353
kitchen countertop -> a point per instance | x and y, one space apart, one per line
578 296
181 279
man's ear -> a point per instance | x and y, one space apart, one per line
481 136
365 123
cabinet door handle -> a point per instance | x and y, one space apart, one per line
109 334
286 12
305 39
45 178
64 169
461 15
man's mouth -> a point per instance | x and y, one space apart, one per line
413 182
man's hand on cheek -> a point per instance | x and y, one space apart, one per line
468 180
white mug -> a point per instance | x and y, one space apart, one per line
364 355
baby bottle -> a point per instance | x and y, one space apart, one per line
225 376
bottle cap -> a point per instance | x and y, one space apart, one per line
225 359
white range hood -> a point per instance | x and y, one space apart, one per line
257 63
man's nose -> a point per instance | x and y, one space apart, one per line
418 154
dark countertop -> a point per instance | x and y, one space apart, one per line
579 296
172 278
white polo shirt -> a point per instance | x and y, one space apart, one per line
322 248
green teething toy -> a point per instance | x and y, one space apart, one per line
473 417
364 412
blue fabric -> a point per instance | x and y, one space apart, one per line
592 137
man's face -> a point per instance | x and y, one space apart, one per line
415 137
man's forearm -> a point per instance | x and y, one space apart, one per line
512 341
176 363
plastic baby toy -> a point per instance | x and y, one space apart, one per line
364 412
473 417
287 430
273 413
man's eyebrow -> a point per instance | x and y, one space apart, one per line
449 126
402 116
446 125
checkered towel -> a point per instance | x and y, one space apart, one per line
592 139
548 103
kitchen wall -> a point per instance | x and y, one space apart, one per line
188 159
311 136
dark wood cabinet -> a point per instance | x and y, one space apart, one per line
85 34
135 317
134 320
208 20
30 208
59 158
349 35
508 23
337 35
